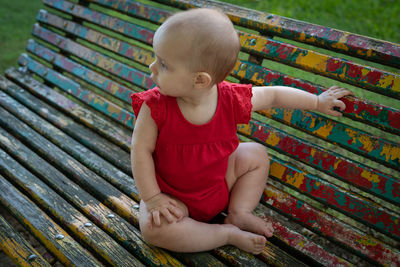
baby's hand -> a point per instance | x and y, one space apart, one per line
163 205
329 99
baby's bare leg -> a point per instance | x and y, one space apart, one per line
188 235
247 174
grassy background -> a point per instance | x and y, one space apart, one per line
375 18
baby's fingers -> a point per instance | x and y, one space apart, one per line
156 218
177 212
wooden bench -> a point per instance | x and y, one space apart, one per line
66 122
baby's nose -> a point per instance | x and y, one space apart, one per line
152 67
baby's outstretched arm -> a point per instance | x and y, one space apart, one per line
143 144
287 97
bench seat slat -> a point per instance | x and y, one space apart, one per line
91 207
337 198
383 52
333 67
72 147
67 250
119 136
119 202
290 236
92 236
119 229
17 248
383 185
129 29
330 227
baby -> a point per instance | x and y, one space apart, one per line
186 158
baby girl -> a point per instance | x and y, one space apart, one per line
187 162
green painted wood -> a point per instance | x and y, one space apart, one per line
92 236
91 160
123 232
17 248
117 135
82 134
67 250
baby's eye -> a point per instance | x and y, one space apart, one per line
162 64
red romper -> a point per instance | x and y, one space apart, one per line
191 160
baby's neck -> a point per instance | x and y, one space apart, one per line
200 108
200 97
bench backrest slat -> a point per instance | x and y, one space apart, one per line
347 43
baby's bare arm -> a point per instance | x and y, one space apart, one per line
143 144
287 97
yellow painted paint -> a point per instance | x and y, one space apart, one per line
312 152
367 143
390 152
341 43
296 180
390 81
324 131
244 129
312 60
365 72
277 170
287 114
302 36
370 176
337 162
367 240
273 139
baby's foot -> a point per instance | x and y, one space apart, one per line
245 240
247 221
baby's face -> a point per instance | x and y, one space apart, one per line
170 71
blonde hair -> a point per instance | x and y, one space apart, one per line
213 42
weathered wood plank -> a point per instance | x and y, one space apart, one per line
337 198
344 42
136 9
126 28
314 251
106 63
330 227
91 160
138 54
67 215
128 236
17 248
81 175
363 110
355 173
117 135
67 250
333 67
82 72
99 103
114 199
88 138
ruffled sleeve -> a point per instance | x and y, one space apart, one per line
241 100
154 100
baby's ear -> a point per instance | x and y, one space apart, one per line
202 80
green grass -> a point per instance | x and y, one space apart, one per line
378 19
